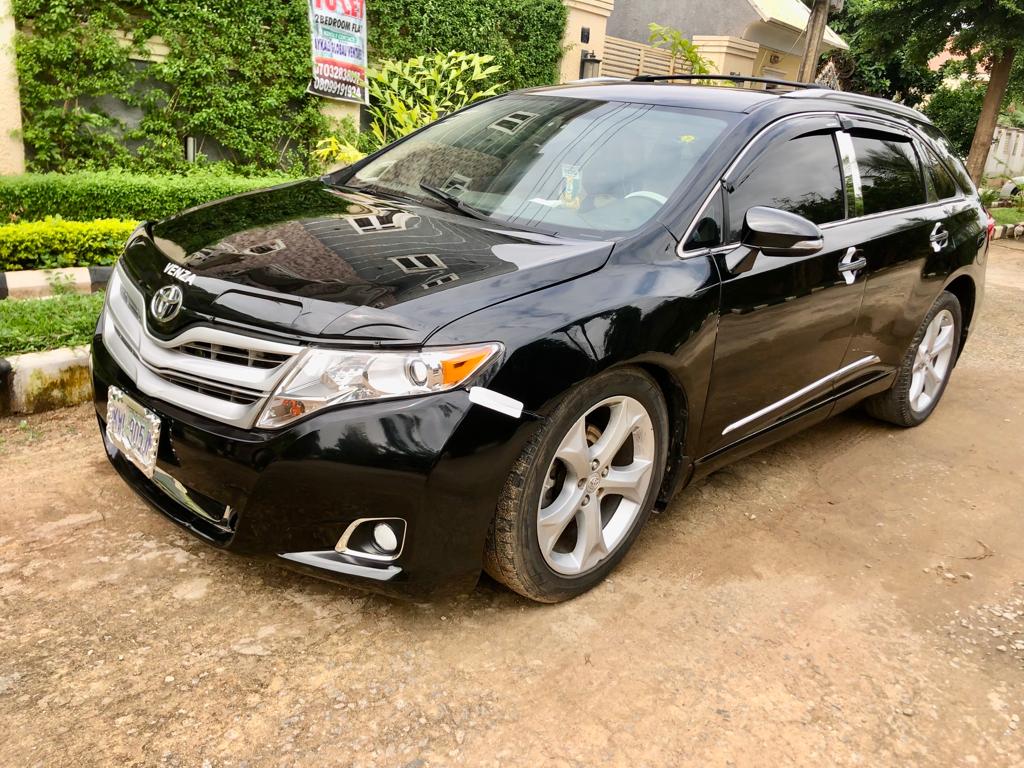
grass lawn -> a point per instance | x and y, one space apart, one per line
34 325
1007 215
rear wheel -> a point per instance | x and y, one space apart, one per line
926 367
582 489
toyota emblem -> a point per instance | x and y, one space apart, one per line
166 303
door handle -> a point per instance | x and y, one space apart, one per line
939 237
851 263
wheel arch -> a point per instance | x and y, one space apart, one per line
966 293
677 463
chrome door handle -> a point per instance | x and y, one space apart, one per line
939 237
851 263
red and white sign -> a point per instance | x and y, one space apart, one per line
338 31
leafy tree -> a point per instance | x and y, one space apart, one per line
955 111
862 69
988 29
680 48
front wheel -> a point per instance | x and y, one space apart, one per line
925 370
582 489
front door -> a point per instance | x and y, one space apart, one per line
786 321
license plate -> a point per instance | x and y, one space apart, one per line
134 429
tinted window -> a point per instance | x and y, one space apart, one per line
889 173
800 175
707 232
946 153
944 185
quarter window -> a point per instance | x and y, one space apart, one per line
945 187
707 230
801 175
890 176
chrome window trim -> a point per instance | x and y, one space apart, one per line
851 176
855 365
879 215
732 166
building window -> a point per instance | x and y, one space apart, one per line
263 248
451 277
456 183
513 122
418 262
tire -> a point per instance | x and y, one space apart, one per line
555 483
901 404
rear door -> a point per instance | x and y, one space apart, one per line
907 230
786 321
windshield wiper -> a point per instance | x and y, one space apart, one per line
454 202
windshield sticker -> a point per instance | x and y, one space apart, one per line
572 186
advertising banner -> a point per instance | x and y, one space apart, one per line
338 29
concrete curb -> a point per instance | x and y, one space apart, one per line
38 283
1007 230
43 381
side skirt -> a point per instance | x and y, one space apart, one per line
792 424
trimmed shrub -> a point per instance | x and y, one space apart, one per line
55 243
113 194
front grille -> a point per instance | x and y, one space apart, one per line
207 370
253 358
211 389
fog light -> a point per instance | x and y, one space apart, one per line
385 538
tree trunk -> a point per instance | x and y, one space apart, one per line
982 143
816 24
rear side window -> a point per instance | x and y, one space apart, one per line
945 150
889 173
945 187
801 175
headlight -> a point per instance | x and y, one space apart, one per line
326 377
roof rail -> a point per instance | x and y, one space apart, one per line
862 99
729 78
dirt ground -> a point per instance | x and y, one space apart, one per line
853 596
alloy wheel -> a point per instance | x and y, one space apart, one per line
932 362
596 485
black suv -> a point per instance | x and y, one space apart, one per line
501 341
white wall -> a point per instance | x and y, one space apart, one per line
1006 158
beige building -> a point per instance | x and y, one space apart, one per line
741 37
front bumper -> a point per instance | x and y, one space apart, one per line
438 463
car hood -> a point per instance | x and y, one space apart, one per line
312 260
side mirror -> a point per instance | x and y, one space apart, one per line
780 233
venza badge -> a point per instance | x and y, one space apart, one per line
166 303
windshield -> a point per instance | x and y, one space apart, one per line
550 162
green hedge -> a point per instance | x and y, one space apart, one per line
34 325
57 243
234 75
524 36
112 194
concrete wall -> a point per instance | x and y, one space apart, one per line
1006 158
728 55
12 153
691 17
